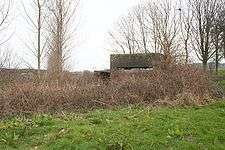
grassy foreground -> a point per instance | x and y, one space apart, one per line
164 128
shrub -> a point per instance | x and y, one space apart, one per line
178 85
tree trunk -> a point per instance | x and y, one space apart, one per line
205 66
39 40
217 63
217 57
186 51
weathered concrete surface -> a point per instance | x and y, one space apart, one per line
132 61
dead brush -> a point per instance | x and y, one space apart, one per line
178 85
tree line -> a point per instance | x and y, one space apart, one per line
177 29
52 23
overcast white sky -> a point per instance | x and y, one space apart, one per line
97 17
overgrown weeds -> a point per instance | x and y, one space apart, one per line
178 85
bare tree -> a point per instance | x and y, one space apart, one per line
37 22
149 26
8 59
174 30
221 25
164 19
152 27
5 6
204 12
123 37
218 35
186 18
63 14
5 55
217 44
142 30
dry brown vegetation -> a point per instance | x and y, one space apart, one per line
177 86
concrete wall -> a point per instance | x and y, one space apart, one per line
131 61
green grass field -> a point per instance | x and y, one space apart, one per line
132 129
